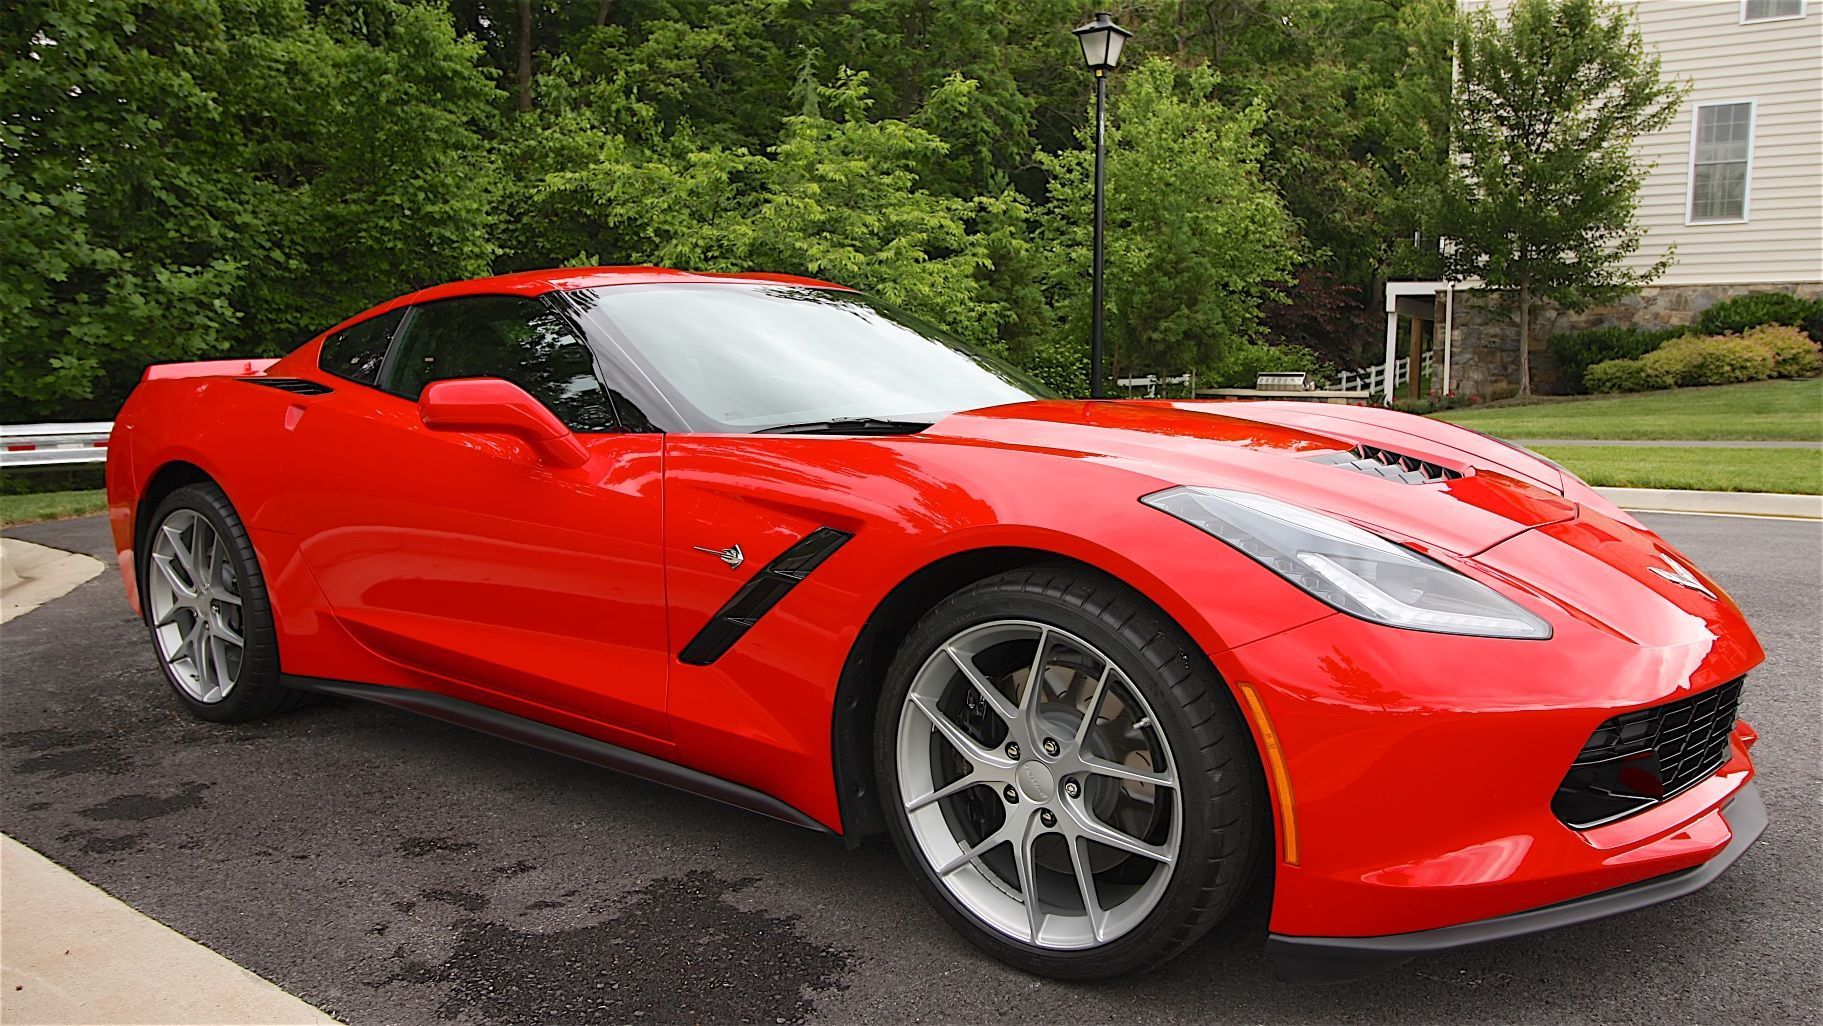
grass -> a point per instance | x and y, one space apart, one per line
1716 470
21 509
1773 410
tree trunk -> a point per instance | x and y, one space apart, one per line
1525 340
525 55
601 16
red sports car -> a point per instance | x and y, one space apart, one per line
1097 667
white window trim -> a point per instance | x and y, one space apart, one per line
1803 9
1753 127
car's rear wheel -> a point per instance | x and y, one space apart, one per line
206 606
1066 775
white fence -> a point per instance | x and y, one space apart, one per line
51 445
1373 379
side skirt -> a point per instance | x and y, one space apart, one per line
562 742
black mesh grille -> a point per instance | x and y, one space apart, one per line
297 386
1388 464
1644 757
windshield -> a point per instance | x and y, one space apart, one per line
743 358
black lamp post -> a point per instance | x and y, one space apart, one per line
1101 41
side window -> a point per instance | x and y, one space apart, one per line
356 353
511 337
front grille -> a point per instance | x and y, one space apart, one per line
1388 464
1638 759
296 386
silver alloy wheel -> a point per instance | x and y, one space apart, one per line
194 598
1038 785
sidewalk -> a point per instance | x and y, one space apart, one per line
31 575
69 953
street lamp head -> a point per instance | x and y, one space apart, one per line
1101 41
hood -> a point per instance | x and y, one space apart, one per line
1477 492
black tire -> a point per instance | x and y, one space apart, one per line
1224 793
257 691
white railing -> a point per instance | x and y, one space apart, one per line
1151 382
50 445
1373 379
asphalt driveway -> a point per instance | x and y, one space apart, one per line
391 869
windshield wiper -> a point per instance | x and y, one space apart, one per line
848 426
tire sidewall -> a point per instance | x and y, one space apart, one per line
1146 943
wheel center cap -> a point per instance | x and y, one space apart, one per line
1035 781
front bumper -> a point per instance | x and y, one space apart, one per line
1340 959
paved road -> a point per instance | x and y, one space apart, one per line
391 869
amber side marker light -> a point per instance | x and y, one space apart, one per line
1275 765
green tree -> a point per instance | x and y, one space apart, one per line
202 177
1547 108
1196 239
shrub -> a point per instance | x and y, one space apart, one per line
1577 351
1794 355
1626 376
1710 360
1743 313
1435 403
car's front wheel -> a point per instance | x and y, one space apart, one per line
1066 775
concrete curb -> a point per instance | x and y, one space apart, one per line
73 954
31 575
1754 504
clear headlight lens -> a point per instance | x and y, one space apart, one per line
1355 571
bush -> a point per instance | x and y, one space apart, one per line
1743 313
1711 360
1577 351
1435 403
1626 376
1794 355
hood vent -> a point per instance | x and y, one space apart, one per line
296 386
1388 464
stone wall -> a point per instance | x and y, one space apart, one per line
1485 350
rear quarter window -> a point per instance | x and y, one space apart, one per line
357 352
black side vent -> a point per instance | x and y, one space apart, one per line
296 386
760 594
1388 464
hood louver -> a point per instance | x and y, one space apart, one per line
1388 464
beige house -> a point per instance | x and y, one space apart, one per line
1736 183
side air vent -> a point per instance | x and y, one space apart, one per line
296 386
1388 464
760 594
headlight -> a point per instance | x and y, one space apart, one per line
1357 572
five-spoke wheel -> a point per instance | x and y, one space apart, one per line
194 602
1066 773
205 603
1038 784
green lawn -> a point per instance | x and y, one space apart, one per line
1778 410
19 509
1715 470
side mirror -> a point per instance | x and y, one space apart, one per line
496 406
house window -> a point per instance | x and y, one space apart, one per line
1770 10
1721 161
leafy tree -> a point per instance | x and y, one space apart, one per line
1547 108
1196 240
201 177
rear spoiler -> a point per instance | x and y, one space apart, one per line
207 369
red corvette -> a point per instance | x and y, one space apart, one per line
1096 667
